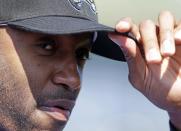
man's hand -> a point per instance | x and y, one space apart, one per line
155 64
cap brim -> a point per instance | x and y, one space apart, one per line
69 25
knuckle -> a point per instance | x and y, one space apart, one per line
150 42
167 32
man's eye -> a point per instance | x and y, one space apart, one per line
82 53
47 48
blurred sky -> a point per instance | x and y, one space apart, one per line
107 101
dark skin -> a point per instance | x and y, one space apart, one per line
36 68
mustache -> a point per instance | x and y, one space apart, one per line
58 94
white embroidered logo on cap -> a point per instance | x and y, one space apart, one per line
93 6
78 4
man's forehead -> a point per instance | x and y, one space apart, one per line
21 35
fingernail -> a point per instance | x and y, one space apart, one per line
153 55
123 24
167 47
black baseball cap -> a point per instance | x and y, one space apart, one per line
60 17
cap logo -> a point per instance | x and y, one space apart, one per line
78 4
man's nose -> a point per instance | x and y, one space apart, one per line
67 74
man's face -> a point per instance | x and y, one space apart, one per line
40 78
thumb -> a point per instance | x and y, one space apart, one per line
135 61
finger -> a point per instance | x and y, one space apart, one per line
166 33
177 23
177 36
124 25
177 33
136 33
135 61
132 28
127 25
150 41
126 44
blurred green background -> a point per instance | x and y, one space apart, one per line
110 11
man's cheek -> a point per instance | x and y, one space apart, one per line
14 86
